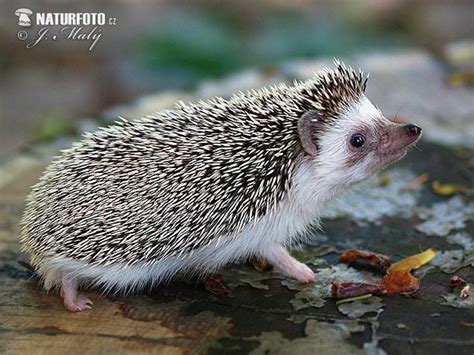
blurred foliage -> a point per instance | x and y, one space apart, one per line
52 126
197 44
209 44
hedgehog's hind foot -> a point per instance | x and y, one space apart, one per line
73 301
281 259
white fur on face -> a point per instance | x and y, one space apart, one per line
362 112
331 163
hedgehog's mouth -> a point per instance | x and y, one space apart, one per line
397 153
392 157
394 147
387 158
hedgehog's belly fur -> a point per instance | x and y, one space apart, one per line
294 215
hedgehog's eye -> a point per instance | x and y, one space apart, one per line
357 140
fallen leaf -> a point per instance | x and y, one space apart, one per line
455 300
260 264
448 189
215 285
311 255
419 180
384 180
450 261
413 262
399 282
341 290
461 78
308 297
371 305
253 279
353 299
352 255
456 281
441 218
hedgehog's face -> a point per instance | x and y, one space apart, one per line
360 143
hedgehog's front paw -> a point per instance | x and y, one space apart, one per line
285 263
302 273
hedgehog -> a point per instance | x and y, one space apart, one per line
186 191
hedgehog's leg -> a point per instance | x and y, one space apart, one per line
73 301
281 259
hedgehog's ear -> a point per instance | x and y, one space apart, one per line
308 125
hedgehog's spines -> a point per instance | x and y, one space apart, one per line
176 181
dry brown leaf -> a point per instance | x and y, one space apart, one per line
352 255
215 285
260 264
341 290
419 180
456 281
413 262
399 282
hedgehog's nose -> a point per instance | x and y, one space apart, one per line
412 129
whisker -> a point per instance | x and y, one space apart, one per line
415 146
397 118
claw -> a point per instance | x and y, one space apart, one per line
73 301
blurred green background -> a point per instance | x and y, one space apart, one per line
162 45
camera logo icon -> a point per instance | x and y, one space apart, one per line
24 17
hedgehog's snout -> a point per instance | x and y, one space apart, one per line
397 137
411 134
412 130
